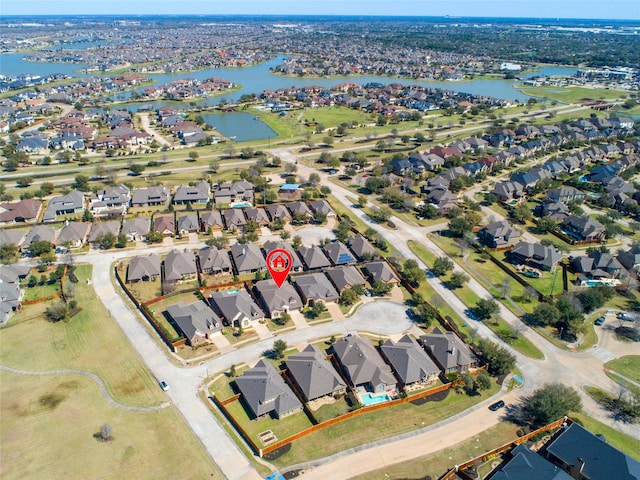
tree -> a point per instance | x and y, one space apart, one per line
314 179
39 247
348 297
154 237
457 280
342 231
362 201
425 313
81 182
441 266
214 166
57 312
193 156
106 240
137 168
544 314
546 224
317 309
9 254
121 240
549 403
24 181
325 190
486 308
500 360
521 213
381 288
482 381
459 226
412 272
283 319
106 433
278 349
296 242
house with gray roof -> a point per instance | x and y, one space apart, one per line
598 265
180 265
112 201
314 376
165 224
102 228
258 215
584 228
266 393
510 193
585 456
230 192
234 219
523 463
380 272
299 209
345 277
534 255
566 194
498 234
143 268
278 212
74 233
190 195
12 237
211 221
270 245
410 362
188 224
136 229
41 233
247 258
449 352
630 259
237 309
363 367
315 287
72 202
196 321
313 257
361 247
214 261
152 196
277 300
338 253
322 206
11 296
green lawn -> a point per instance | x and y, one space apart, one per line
573 94
629 366
144 291
91 340
332 410
40 291
437 464
47 427
376 425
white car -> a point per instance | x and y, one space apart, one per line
164 386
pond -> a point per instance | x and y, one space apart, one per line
239 126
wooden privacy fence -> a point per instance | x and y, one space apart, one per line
41 300
459 470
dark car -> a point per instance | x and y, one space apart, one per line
496 406
600 321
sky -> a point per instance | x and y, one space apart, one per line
592 9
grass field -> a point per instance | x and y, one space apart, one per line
47 427
90 341
629 366
573 94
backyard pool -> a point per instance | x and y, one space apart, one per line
369 399
232 292
240 205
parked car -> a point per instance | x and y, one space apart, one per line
600 321
164 386
496 406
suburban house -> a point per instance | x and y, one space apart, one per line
99 229
24 211
180 266
277 300
566 194
380 271
188 224
440 197
270 245
290 191
557 211
361 247
584 228
429 161
196 321
498 234
338 253
211 220
164 224
345 277
152 196
299 209
12 237
11 296
143 268
585 456
258 215
598 265
315 287
234 219
73 233
409 361
112 201
323 207
136 229
188 195
314 376
313 257
72 202
630 259
534 255
41 233
510 193
230 192
214 261
449 352
237 309
247 258
278 212
362 365
266 393
523 463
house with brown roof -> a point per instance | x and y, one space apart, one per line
165 224
277 300
211 220
73 233
380 272
24 211
361 247
345 277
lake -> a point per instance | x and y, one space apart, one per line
241 125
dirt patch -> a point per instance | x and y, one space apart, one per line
50 401
271 456
436 397
73 385
131 386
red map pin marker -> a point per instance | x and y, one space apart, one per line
279 263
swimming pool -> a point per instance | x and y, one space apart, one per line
239 204
232 292
369 399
